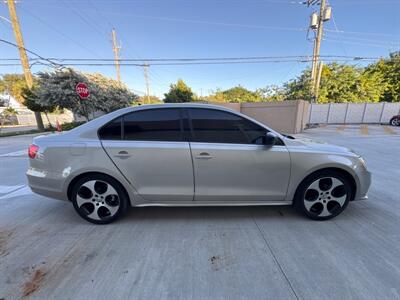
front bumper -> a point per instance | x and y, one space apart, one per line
363 186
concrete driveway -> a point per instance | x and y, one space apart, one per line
48 252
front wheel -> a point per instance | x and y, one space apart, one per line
99 199
323 195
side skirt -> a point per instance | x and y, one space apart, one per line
203 203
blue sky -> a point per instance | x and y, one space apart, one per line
208 28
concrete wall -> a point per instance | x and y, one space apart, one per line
284 116
27 117
348 113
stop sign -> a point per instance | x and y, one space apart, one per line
82 90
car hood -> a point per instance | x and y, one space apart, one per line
321 146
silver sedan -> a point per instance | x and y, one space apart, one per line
191 155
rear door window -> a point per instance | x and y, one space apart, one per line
112 130
153 125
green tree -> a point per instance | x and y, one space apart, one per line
13 84
272 93
145 100
31 101
7 114
178 93
345 83
236 94
339 83
110 94
58 89
388 72
298 88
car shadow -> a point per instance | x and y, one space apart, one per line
209 213
216 214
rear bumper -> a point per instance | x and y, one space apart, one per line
46 183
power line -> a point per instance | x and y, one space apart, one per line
203 58
358 43
375 41
177 61
58 31
57 65
210 63
151 73
337 31
83 18
289 2
183 61
364 33
209 22
248 25
182 1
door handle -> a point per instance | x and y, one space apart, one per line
204 155
122 154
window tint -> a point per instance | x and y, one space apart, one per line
213 126
111 131
153 125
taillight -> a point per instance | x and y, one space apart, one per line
33 150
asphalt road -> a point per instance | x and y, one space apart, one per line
48 252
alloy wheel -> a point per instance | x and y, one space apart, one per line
97 200
325 196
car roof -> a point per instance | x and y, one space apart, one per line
181 105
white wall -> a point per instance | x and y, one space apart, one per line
27 117
10 101
337 113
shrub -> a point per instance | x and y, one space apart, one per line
71 125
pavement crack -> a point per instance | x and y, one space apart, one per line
275 258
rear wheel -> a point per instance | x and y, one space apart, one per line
323 195
99 199
394 122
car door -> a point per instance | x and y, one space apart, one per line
230 161
150 150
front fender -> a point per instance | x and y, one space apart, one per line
304 164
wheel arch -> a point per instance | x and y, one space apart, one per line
343 172
395 118
79 176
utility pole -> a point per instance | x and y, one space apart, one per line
317 23
116 50
318 79
318 39
312 65
23 56
146 79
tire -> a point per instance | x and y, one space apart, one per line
99 199
394 122
323 195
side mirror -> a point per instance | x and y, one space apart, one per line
270 139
